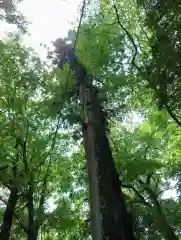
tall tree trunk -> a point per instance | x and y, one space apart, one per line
116 221
8 214
94 193
31 232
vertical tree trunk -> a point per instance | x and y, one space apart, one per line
116 221
32 235
38 218
8 214
94 193
34 223
31 232
115 218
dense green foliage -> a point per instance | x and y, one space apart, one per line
133 51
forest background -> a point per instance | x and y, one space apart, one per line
132 48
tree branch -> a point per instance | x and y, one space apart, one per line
20 223
148 178
173 116
129 186
164 190
3 166
129 37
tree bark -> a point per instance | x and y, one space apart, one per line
94 194
31 232
116 221
8 214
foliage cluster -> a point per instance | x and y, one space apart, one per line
132 49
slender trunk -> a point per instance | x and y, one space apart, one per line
30 206
38 219
31 232
8 215
34 222
116 221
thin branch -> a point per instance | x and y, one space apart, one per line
4 201
65 90
173 116
148 178
53 142
150 192
24 149
141 182
129 186
44 188
170 188
146 151
136 202
156 181
129 37
20 223
144 32
3 166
